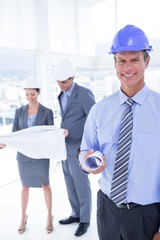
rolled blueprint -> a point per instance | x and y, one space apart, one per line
93 162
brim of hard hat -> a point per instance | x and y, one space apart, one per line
31 86
129 48
62 77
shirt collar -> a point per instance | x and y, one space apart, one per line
70 90
139 97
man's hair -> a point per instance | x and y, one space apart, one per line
145 54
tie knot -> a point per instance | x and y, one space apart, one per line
129 102
65 94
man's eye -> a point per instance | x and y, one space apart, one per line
121 61
135 60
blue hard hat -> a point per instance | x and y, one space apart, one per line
130 38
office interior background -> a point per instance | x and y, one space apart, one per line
36 34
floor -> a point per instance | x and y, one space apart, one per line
10 188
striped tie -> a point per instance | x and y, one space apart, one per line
120 174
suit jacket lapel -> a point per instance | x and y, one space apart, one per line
25 116
39 114
59 99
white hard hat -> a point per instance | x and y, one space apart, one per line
64 70
31 82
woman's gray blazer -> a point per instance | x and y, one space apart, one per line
44 117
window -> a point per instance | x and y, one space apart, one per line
15 65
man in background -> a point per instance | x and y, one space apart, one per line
75 103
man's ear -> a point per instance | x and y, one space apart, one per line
147 61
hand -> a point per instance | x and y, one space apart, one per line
65 132
2 145
98 170
156 236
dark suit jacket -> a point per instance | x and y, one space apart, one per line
74 117
44 117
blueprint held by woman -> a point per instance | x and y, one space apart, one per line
38 142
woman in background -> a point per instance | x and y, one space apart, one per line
33 172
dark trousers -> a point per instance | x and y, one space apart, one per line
114 223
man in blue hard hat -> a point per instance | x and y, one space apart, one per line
125 128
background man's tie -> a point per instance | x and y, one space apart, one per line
120 174
64 101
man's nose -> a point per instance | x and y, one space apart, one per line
128 65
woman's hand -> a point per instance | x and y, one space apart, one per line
96 171
2 145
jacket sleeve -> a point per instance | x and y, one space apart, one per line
50 118
88 101
15 126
